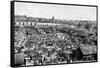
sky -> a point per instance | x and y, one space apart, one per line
66 12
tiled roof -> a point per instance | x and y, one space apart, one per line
86 50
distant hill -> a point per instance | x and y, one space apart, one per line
24 18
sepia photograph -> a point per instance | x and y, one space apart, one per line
53 33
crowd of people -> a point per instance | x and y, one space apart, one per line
52 45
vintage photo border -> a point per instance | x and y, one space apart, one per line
12 29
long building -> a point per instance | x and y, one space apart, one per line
25 21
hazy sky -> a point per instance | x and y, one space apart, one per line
66 12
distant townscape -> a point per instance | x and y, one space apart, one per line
42 41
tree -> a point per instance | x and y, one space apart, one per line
87 26
79 25
39 19
53 18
